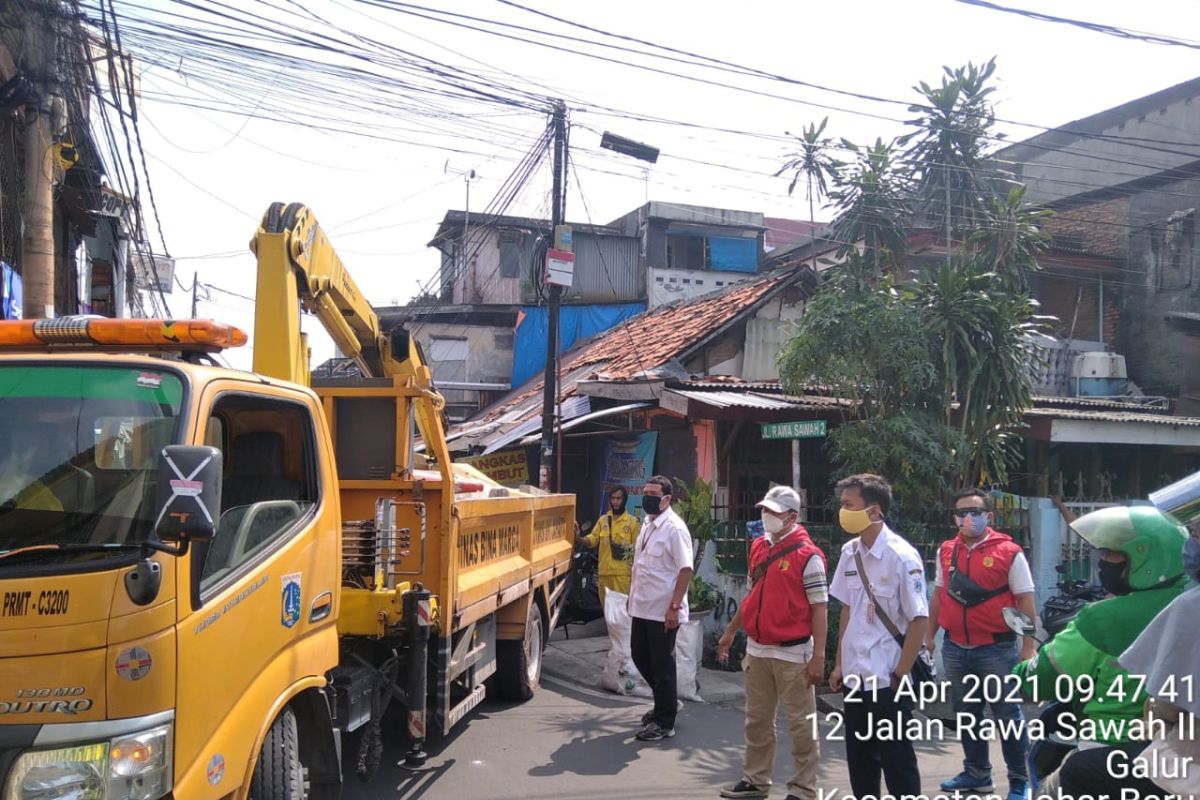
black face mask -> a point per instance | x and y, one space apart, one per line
1113 577
651 503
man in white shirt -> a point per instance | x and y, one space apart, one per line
662 570
870 661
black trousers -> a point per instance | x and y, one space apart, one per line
869 755
653 649
1086 772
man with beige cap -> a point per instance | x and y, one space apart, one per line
784 616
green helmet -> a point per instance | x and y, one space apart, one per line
1152 540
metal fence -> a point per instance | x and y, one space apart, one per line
1076 557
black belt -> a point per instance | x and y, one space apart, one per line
794 642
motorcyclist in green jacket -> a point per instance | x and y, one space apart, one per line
1142 566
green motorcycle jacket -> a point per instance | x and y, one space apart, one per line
1079 666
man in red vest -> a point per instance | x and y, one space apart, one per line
979 573
784 616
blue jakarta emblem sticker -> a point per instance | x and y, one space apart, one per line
216 769
290 613
134 663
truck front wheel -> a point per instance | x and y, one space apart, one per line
279 774
519 664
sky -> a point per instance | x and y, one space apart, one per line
380 196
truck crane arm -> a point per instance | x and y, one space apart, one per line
298 267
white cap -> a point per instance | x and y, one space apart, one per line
781 500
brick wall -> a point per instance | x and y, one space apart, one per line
1101 226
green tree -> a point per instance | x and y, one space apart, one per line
872 197
812 162
952 186
932 358
866 345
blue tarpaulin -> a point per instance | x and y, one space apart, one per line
10 293
575 323
733 254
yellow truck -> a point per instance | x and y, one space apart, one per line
211 580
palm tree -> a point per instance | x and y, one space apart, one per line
871 196
1010 244
946 151
812 162
983 330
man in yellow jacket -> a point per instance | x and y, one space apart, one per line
614 533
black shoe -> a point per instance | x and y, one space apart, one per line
744 789
654 732
648 717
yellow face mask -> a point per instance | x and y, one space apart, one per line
854 522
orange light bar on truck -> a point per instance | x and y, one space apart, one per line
158 334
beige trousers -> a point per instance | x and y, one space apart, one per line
770 683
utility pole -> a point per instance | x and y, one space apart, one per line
195 290
558 203
37 240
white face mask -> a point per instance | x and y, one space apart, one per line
772 524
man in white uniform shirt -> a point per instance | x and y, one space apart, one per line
662 570
870 661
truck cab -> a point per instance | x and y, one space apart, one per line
108 638
208 577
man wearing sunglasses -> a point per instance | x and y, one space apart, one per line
979 573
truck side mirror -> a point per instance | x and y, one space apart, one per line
188 495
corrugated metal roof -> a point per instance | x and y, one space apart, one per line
1143 404
571 407
728 381
1115 416
724 399
603 413
761 401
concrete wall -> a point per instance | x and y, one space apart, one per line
651 222
1110 148
1156 347
1047 530
669 285
489 359
1149 283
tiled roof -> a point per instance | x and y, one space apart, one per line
783 232
651 339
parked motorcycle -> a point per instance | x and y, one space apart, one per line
583 588
1064 606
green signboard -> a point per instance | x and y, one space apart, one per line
806 429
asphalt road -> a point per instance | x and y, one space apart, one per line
571 742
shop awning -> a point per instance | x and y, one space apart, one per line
748 405
1112 427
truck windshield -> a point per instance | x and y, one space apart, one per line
78 457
